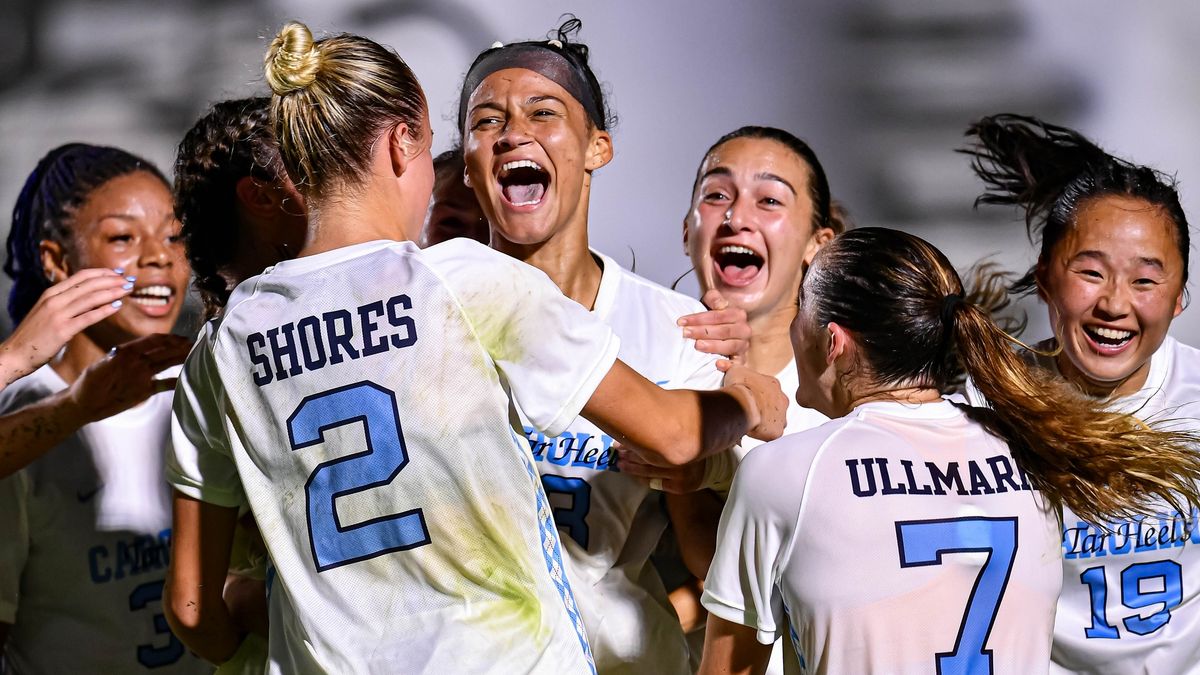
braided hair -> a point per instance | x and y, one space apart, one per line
58 186
233 140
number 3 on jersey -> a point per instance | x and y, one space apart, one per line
334 544
923 542
573 519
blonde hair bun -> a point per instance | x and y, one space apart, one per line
292 59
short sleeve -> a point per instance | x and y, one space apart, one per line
14 541
200 462
752 540
552 352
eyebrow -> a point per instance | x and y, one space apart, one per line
723 171
529 101
1102 257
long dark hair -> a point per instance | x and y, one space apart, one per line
59 184
903 303
1049 171
231 141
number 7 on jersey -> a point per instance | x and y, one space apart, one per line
923 542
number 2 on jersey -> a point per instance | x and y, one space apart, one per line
334 544
923 542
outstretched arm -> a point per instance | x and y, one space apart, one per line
674 427
107 387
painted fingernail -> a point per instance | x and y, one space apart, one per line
128 286
119 270
117 303
131 278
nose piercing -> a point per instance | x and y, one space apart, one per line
728 216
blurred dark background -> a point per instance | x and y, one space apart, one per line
882 89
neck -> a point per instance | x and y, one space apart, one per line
1103 390
771 345
340 220
81 351
565 258
900 394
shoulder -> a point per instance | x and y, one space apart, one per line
776 474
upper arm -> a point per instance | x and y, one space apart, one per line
199 462
731 648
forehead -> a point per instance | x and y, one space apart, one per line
752 156
1122 227
137 190
518 82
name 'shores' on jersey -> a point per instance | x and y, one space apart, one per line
313 342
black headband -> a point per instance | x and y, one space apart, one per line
543 59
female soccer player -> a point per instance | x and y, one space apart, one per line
535 131
909 535
1112 270
84 529
358 397
240 215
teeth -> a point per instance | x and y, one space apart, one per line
528 203
154 291
520 164
1111 334
737 249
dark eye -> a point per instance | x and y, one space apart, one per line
485 122
175 238
715 196
120 238
543 112
771 201
1092 274
1144 281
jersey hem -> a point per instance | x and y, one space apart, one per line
766 635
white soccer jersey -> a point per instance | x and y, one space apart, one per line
898 539
84 542
610 523
1131 591
363 398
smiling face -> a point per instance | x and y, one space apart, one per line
1113 285
529 149
750 230
129 222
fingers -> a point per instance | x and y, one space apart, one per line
82 277
723 347
157 351
725 365
714 300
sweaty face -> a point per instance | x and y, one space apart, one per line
129 222
453 211
1113 285
528 145
750 227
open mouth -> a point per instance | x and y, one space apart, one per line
738 265
523 182
155 298
1108 340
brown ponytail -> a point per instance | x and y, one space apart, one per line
1098 462
903 302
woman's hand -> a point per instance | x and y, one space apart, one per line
62 311
722 330
125 377
767 404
